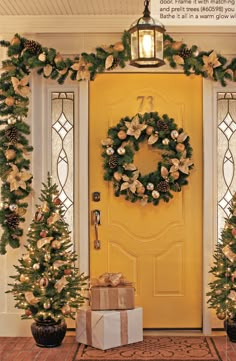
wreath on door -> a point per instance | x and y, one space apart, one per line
161 133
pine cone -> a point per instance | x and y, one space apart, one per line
12 221
32 46
12 134
163 186
161 125
185 53
113 161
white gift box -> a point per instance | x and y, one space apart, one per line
108 329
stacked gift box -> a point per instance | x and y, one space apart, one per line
112 319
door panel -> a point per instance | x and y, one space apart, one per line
158 248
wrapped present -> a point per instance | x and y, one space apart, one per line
112 298
108 329
111 291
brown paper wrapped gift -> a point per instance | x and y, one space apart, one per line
108 329
111 291
112 298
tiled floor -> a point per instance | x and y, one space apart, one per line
24 349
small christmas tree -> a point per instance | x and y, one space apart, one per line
48 284
223 287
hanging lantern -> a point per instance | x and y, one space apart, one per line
146 41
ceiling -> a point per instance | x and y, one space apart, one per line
70 7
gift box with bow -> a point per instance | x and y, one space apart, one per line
111 291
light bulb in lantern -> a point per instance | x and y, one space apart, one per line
146 46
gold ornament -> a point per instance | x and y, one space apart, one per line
175 175
122 135
46 305
118 46
11 121
42 57
66 310
176 45
24 278
56 244
15 41
178 59
36 266
141 190
221 315
155 194
45 207
58 58
47 257
121 150
10 154
149 130
117 176
10 101
180 147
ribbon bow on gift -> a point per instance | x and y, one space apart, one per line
110 279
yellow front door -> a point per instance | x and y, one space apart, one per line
158 248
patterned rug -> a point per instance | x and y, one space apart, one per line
155 348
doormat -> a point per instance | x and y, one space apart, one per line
155 348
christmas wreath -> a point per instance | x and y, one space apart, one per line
159 132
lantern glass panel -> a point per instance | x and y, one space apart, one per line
159 45
134 45
146 43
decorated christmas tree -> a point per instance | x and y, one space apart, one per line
48 284
223 287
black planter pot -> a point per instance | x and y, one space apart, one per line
230 328
48 333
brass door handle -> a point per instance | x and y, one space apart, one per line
96 216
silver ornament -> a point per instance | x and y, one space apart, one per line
174 134
13 207
150 186
165 141
110 151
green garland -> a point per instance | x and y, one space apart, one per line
25 55
160 133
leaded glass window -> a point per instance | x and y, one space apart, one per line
226 116
62 152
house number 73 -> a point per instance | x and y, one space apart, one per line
145 103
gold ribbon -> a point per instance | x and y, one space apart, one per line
43 241
30 298
229 253
110 279
60 284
